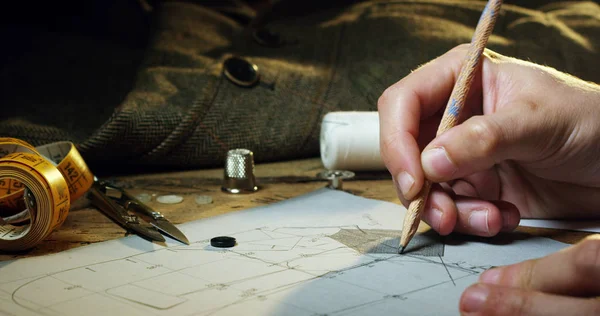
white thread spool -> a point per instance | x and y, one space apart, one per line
350 141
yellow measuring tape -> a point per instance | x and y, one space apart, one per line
37 187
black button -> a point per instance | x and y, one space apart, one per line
266 37
241 72
222 242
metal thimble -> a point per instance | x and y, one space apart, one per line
239 172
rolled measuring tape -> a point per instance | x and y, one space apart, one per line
37 187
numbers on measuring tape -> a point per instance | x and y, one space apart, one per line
71 172
8 186
63 211
28 158
62 192
57 173
17 185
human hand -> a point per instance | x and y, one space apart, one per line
563 283
527 144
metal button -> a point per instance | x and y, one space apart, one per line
241 71
266 37
335 177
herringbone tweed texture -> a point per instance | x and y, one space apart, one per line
166 103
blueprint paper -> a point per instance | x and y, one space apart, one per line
584 226
284 263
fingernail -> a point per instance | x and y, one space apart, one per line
474 298
437 162
491 276
405 182
506 224
478 220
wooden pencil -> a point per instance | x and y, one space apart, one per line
455 104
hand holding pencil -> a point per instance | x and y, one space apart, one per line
525 145
453 109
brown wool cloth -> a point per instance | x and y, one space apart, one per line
141 84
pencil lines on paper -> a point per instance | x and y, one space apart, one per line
312 255
388 241
282 268
446 267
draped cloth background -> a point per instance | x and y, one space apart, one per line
142 85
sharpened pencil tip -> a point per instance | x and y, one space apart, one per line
402 250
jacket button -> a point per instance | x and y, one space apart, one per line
266 37
241 72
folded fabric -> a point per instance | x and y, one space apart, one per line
163 91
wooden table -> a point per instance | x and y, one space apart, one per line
277 181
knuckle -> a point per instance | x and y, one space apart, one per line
526 277
385 99
485 135
387 143
587 254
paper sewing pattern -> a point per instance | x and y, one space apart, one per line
288 261
592 226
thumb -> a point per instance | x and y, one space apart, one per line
573 271
524 133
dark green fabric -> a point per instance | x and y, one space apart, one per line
150 90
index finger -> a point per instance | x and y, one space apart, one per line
403 105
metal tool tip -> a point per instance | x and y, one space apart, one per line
183 240
402 250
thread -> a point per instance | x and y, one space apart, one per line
349 140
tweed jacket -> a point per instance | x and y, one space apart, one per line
149 85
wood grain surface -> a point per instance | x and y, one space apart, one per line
277 181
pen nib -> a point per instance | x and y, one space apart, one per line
402 250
